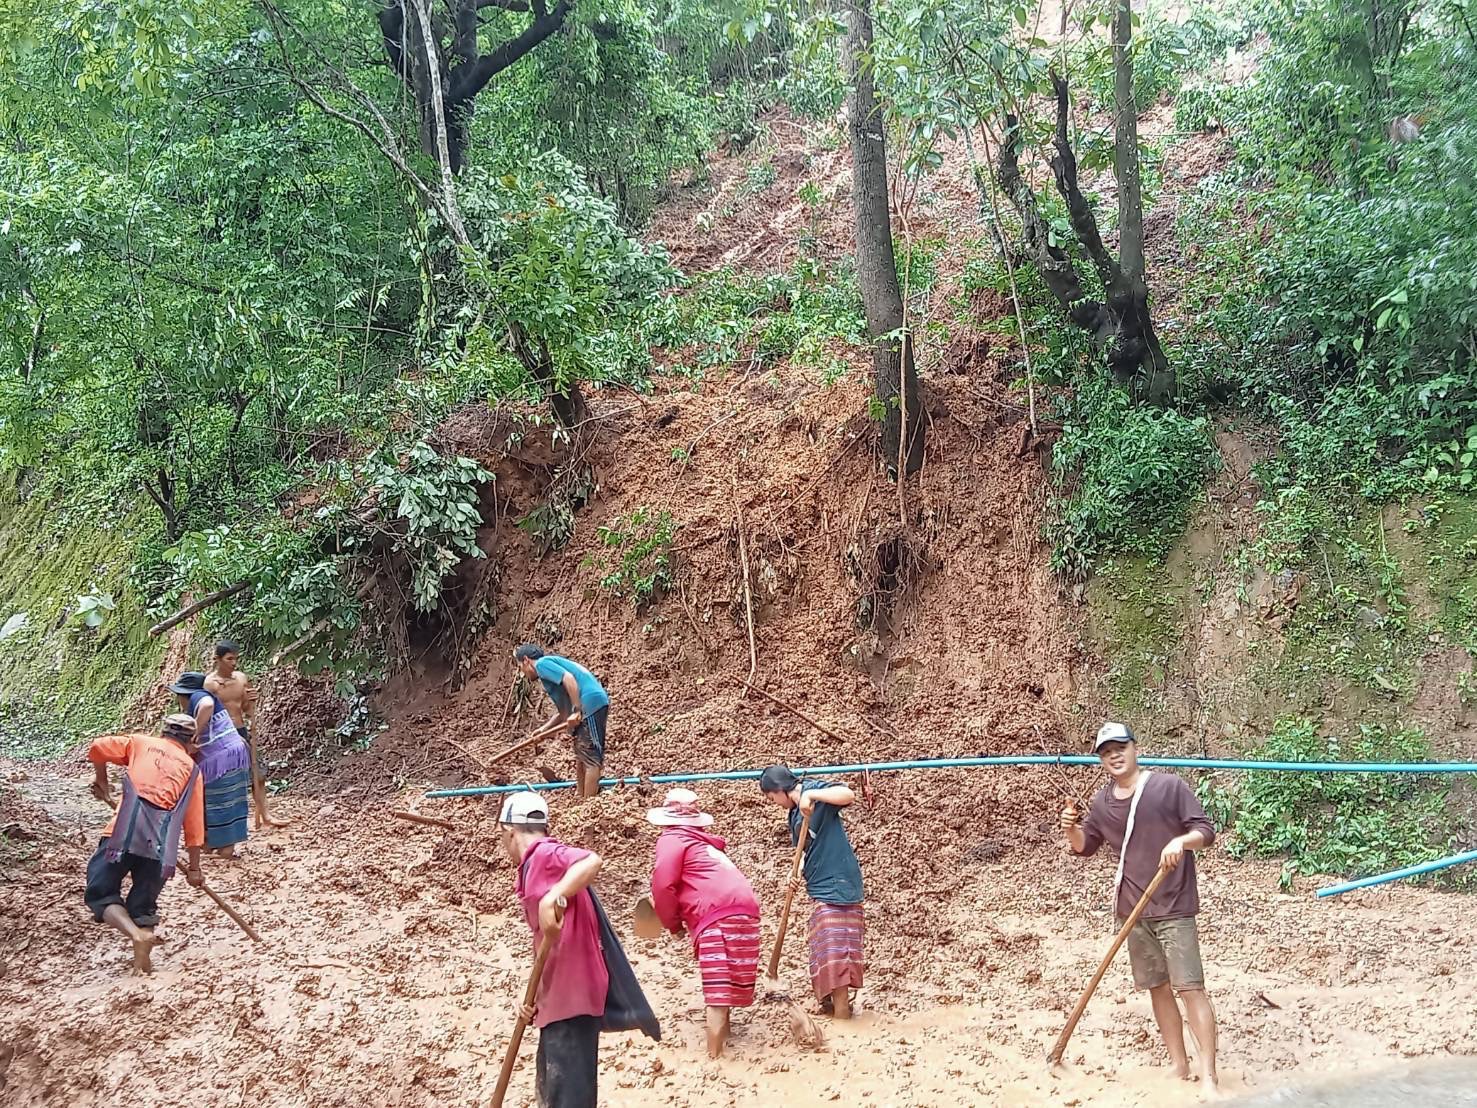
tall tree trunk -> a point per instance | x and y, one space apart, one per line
895 375
1128 295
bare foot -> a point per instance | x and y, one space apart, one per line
226 852
142 947
271 821
1182 1071
1210 1087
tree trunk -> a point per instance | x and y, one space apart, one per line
895 375
1138 350
568 403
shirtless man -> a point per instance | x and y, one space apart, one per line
236 693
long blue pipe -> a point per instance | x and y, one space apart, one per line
1396 875
975 763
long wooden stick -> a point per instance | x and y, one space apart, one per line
779 940
738 516
794 711
1055 1057
530 994
415 817
235 915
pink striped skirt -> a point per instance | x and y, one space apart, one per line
835 939
728 959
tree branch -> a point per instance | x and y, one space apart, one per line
1079 211
38 326
468 81
1051 262
199 606
504 5
438 114
381 135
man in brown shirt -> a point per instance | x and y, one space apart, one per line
1168 825
237 693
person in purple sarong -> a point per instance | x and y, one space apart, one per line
225 764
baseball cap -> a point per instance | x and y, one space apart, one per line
178 725
1112 733
524 809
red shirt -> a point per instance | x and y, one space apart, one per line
575 980
695 883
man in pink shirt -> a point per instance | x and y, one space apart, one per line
553 886
694 883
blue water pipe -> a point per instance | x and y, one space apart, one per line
1396 875
978 763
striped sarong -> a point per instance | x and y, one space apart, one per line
727 953
225 766
835 940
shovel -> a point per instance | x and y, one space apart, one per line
1055 1057
530 994
647 925
802 1026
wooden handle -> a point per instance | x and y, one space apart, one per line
530 994
414 817
235 915
1133 917
779 940
523 744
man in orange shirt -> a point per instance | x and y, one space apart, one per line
162 794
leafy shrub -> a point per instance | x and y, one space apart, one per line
1123 475
1352 824
639 565
437 499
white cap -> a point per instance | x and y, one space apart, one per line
1111 732
523 809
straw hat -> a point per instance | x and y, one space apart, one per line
680 809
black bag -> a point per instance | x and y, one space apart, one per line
626 1007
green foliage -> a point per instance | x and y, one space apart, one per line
1123 475
436 498
1345 298
1349 824
800 315
638 565
551 256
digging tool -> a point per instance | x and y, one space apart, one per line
802 1026
1055 1057
530 994
235 915
647 925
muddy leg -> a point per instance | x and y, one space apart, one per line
1201 1016
589 779
116 916
1171 1027
717 1030
841 1002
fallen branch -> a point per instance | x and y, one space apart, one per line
795 712
430 820
738 515
199 606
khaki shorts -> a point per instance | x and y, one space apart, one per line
1166 952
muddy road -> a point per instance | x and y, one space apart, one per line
392 963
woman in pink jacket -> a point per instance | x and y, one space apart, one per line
696 885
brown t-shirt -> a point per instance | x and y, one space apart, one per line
1167 808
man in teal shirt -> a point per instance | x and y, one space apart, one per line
581 706
833 878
